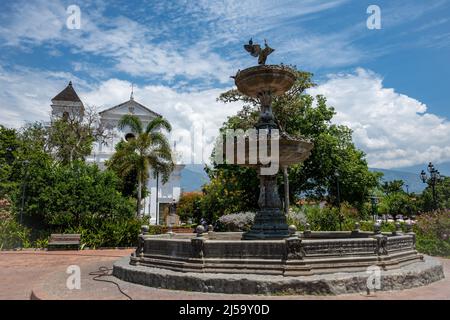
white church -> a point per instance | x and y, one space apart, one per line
161 195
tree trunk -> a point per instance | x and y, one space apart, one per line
139 195
286 190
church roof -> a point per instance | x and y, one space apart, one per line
132 103
68 94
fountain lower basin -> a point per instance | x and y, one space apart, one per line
304 254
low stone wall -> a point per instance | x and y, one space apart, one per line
297 255
409 276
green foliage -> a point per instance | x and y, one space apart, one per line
13 235
395 203
300 114
70 140
433 233
395 186
61 196
189 206
442 195
109 232
148 149
322 219
8 152
228 192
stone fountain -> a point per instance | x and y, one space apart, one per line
263 82
272 257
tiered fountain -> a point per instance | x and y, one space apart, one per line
272 257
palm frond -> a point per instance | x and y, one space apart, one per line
133 122
158 123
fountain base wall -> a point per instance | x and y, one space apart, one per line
412 275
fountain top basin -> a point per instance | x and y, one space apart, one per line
273 78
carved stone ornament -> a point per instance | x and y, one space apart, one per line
381 248
294 249
197 247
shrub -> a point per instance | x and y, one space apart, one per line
296 217
13 235
112 233
433 233
189 206
322 219
241 221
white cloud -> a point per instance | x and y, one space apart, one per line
129 45
393 129
26 94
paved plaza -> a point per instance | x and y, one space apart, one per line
44 274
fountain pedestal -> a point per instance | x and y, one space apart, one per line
263 83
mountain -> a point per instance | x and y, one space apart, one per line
193 176
411 179
443 168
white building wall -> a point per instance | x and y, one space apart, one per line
166 192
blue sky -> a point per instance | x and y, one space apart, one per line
389 85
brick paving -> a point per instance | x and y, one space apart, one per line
44 273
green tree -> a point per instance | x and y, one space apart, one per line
395 203
229 191
71 137
9 144
300 114
81 193
149 149
189 206
442 195
394 186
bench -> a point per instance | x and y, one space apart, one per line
64 241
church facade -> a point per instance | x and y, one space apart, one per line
156 206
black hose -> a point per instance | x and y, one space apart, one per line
104 272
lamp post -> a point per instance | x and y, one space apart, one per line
374 202
431 180
338 194
24 184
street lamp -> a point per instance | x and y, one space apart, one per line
374 202
338 193
24 183
431 180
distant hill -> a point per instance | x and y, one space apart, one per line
444 168
193 177
411 179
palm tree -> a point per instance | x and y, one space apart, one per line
148 149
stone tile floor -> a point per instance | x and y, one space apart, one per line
44 273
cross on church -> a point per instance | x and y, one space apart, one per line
131 108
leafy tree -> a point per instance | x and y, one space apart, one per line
189 206
442 194
81 193
228 191
148 149
394 186
300 114
59 196
71 137
395 203
8 152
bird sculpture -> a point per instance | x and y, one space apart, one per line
256 51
